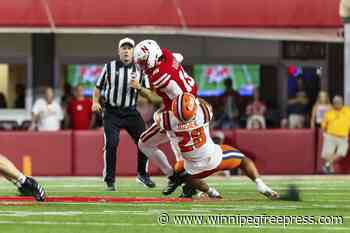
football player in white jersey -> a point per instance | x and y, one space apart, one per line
187 125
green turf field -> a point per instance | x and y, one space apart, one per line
322 196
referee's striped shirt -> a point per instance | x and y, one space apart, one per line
114 84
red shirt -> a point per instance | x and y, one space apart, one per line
80 113
169 79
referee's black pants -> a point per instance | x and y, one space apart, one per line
115 119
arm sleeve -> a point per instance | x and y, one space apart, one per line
178 57
102 78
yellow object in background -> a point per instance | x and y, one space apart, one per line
27 165
337 122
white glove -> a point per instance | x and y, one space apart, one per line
178 57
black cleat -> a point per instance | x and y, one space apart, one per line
327 169
188 191
32 188
145 180
110 186
174 181
23 192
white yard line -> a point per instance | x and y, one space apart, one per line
302 228
291 178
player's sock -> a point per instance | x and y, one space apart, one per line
21 180
262 188
160 159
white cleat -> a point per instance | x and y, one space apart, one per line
271 195
213 193
267 191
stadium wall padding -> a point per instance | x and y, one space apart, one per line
50 152
80 153
279 151
88 157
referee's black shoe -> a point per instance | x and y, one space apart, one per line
110 186
32 188
145 180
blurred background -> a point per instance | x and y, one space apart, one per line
261 64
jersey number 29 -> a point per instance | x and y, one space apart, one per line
197 136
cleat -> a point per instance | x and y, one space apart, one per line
188 191
146 181
33 188
23 192
272 195
203 195
267 191
213 193
110 187
174 181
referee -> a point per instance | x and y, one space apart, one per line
120 110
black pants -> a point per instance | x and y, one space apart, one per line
115 119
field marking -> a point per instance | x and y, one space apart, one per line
171 225
212 207
155 213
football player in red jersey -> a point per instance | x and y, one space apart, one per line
168 79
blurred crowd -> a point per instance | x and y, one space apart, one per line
73 110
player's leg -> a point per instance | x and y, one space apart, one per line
26 185
111 141
249 168
148 144
193 182
135 126
202 186
233 158
10 172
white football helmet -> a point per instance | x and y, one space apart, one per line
146 54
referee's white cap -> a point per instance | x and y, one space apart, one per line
126 40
